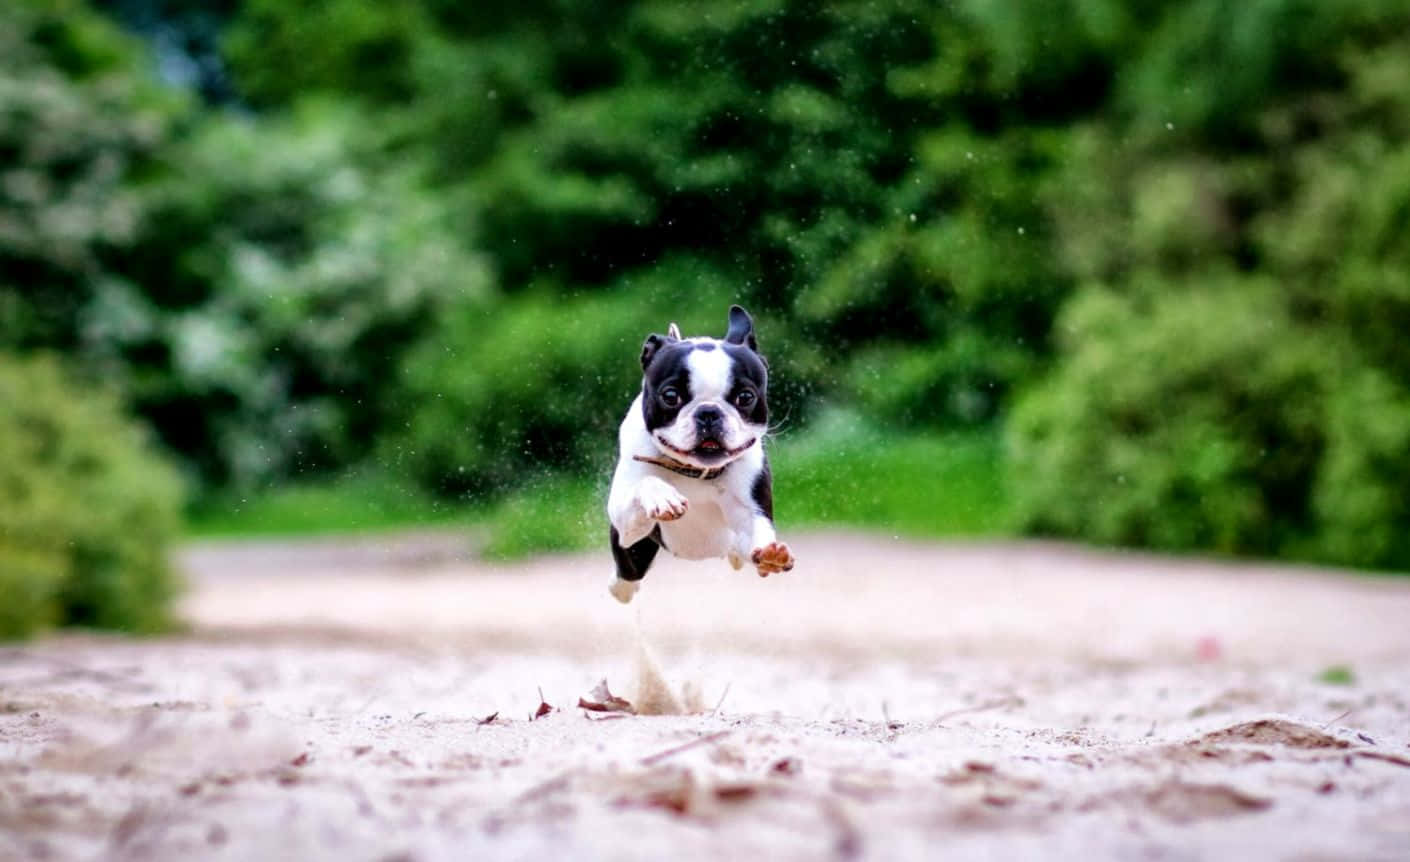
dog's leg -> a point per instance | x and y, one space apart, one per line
632 564
767 553
755 536
634 511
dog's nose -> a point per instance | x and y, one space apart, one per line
709 416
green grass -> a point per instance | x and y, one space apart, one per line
1337 674
562 513
843 471
355 503
840 471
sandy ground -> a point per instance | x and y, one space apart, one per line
885 700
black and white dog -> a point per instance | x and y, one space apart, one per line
691 472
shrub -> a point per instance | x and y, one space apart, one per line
272 286
86 511
1194 422
1362 497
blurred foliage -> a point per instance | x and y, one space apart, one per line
271 290
1194 421
426 238
847 470
77 121
1235 376
86 509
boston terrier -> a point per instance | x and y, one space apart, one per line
691 472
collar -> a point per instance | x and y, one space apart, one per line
669 463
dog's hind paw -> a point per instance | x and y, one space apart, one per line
623 591
771 558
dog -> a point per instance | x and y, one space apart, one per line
691 475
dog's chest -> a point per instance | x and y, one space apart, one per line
705 530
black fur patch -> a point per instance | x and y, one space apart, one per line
633 562
763 491
667 367
749 372
741 328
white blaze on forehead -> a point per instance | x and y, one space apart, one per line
711 372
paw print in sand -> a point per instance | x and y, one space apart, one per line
773 557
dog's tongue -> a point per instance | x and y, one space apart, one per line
709 444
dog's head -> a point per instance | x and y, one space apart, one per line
705 399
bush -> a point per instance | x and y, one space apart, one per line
1195 422
272 286
86 511
1363 495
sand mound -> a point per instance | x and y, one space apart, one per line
1271 731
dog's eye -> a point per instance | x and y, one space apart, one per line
744 399
671 397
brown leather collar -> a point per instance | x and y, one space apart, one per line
706 473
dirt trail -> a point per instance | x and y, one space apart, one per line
885 700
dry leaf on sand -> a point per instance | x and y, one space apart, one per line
603 700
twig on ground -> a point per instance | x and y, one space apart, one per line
708 738
1333 723
544 788
721 701
983 707
1388 758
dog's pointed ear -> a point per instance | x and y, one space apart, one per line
741 328
673 332
654 342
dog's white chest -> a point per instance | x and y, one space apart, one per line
704 532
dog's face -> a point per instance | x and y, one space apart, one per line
705 399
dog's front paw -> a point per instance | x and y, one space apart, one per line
773 557
661 502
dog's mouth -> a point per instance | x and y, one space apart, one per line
707 449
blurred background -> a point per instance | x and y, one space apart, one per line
1134 273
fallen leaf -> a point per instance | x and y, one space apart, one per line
736 792
603 700
301 760
787 766
489 719
544 708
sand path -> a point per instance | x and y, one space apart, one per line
886 700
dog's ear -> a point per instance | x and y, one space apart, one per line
741 328
673 332
654 342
